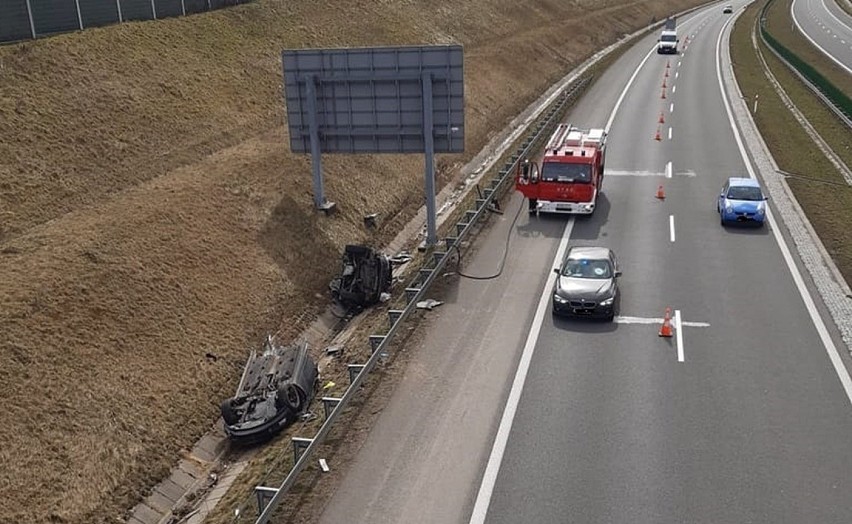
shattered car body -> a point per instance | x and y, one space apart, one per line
276 387
366 274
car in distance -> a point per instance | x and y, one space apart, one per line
741 201
587 284
728 9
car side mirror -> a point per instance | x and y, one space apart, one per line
556 270
617 274
765 197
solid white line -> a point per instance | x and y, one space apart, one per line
645 320
839 21
662 174
810 306
671 107
678 335
670 133
826 53
626 88
489 479
674 88
668 170
671 228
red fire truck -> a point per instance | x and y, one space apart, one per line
571 172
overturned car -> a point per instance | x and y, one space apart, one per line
365 275
276 387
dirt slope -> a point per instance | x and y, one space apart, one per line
153 224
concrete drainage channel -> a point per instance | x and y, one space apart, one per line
201 479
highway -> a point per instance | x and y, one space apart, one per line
828 27
506 414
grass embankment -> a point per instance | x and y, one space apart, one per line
827 206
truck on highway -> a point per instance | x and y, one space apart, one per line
571 173
667 43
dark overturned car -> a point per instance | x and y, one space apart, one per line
276 387
587 285
366 274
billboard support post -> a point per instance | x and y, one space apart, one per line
316 152
429 146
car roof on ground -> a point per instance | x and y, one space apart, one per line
592 253
750 182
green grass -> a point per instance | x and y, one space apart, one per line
828 207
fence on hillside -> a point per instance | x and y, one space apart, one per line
25 19
830 94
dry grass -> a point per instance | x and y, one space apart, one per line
828 208
151 214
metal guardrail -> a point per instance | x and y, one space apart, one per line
834 99
304 448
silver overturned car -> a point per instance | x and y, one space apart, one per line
587 284
277 385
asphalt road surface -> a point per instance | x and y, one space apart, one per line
828 27
507 415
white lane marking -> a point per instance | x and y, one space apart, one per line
671 107
671 228
839 21
626 88
670 133
489 479
664 174
677 73
646 320
679 336
826 53
674 88
810 306
668 170
679 62
833 36
843 41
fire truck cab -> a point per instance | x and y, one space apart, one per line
570 175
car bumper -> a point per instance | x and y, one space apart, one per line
731 217
568 208
566 309
667 50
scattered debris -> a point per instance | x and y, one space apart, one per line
324 465
429 304
212 357
334 350
308 416
328 385
401 258
384 297
370 220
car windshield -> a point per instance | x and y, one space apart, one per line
744 193
586 268
564 172
668 38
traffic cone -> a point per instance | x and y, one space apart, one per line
662 119
667 74
657 137
664 83
666 329
663 96
667 64
661 193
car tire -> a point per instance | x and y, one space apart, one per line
228 414
290 397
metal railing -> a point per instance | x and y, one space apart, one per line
304 448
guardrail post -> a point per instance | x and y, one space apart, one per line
354 370
300 444
451 241
376 341
460 227
424 274
264 495
329 403
438 256
394 315
411 293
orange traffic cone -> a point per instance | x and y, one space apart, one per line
666 329
663 96
667 64
657 137
664 83
661 193
662 119
667 74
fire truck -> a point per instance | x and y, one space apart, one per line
571 172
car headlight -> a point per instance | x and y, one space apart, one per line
608 302
761 208
728 206
560 299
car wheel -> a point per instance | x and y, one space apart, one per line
289 396
228 414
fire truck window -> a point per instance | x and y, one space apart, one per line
560 172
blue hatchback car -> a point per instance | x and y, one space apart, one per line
741 201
